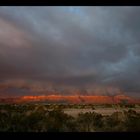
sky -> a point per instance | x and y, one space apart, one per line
69 50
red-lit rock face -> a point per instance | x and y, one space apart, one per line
80 99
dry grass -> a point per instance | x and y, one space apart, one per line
104 111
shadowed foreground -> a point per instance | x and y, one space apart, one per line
49 118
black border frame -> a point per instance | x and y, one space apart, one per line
69 3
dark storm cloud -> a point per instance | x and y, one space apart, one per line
80 47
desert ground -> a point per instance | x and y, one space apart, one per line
104 111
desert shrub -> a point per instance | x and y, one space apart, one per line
130 106
57 121
88 122
4 121
93 108
114 122
20 122
132 122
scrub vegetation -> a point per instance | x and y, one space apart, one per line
52 118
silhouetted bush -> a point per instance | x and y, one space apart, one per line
88 122
132 122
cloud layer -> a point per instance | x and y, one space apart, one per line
70 48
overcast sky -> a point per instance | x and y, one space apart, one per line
96 49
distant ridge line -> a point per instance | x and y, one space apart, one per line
76 99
